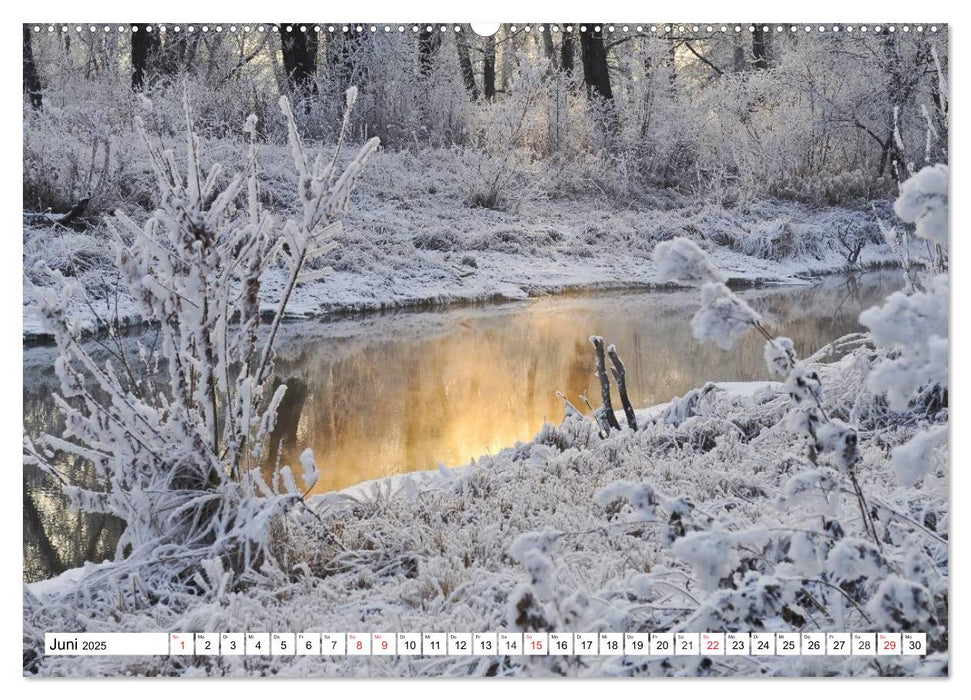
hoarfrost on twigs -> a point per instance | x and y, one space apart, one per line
179 460
310 472
712 555
915 326
542 541
900 604
780 356
144 103
923 201
837 437
723 317
681 260
913 329
531 549
853 558
641 497
912 460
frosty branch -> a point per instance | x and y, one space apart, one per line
180 460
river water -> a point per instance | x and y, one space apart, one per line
387 393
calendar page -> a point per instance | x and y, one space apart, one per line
514 350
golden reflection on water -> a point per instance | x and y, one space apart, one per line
389 393
487 380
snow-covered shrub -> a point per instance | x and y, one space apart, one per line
432 550
923 202
711 553
72 254
504 146
80 149
834 555
904 605
912 327
724 317
574 431
914 459
177 433
532 551
437 238
916 325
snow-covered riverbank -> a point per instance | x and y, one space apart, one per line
411 238
446 550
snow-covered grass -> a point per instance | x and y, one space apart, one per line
411 237
433 551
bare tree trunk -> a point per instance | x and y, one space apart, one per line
31 79
567 52
508 62
594 55
891 155
172 54
489 68
759 52
313 48
548 47
620 376
191 49
608 408
299 56
738 55
144 47
940 101
428 42
465 66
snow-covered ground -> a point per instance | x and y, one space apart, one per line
411 238
552 535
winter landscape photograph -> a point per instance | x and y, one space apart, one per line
546 330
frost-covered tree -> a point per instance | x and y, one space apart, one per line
31 80
177 434
833 117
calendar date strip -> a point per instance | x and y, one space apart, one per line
487 644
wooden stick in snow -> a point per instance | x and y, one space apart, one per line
598 346
571 410
50 219
620 376
602 427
